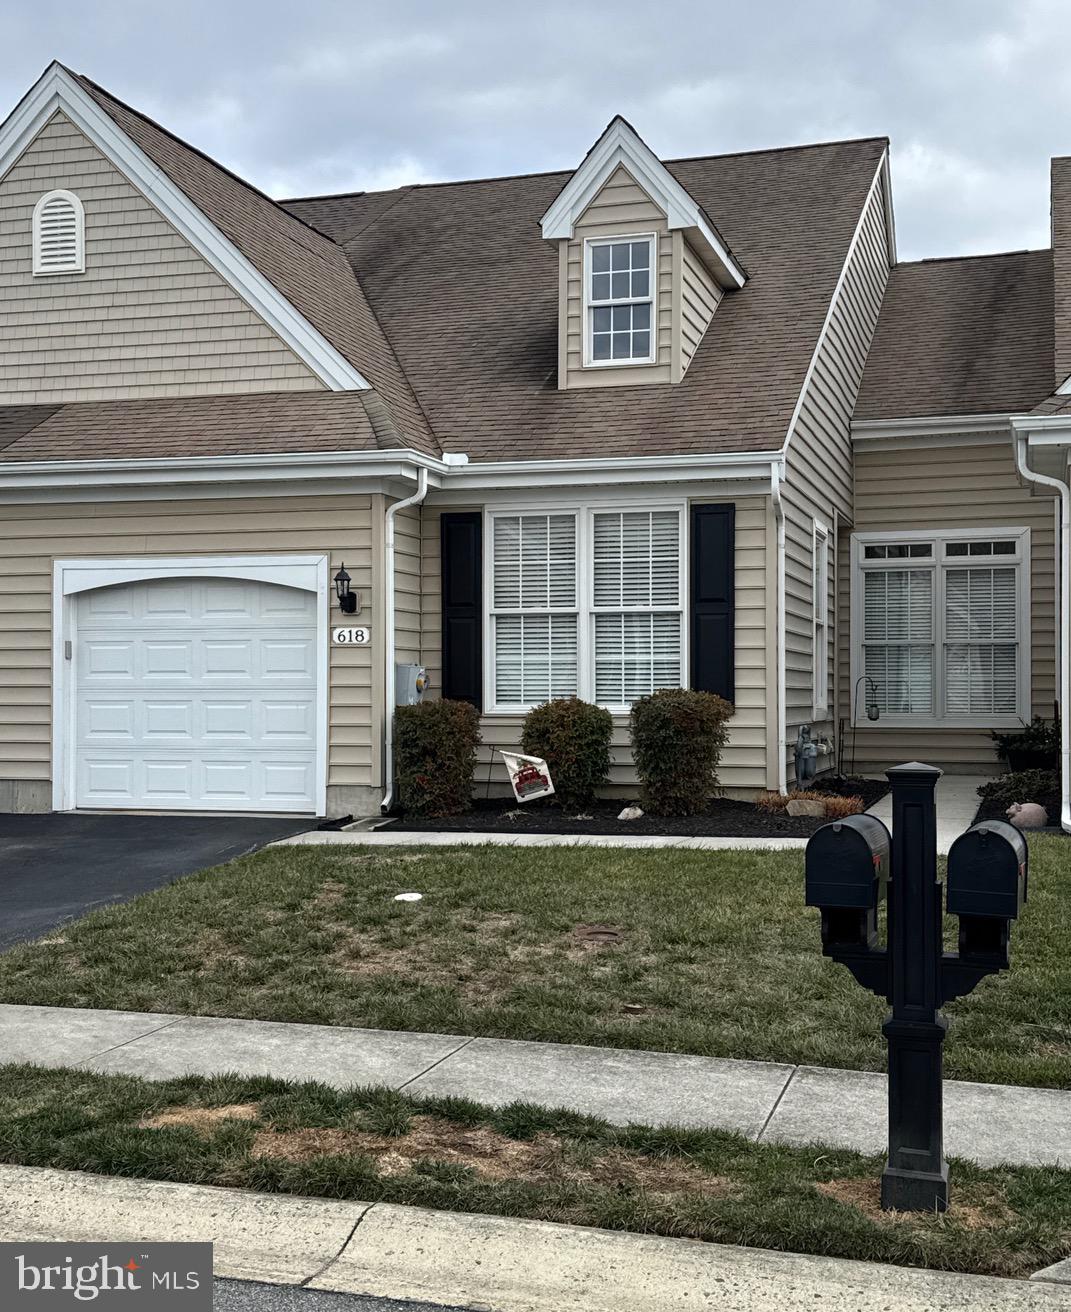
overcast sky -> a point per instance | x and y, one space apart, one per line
310 96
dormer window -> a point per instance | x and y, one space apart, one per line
619 281
58 234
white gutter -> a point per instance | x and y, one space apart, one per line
1064 617
388 619
782 713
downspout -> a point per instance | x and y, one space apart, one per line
1063 617
388 619
782 714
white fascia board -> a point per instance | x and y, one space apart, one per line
318 466
340 468
1043 430
57 90
620 146
923 429
730 465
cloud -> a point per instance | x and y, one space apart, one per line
357 95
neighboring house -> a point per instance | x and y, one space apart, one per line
586 432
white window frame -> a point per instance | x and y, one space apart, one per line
821 579
939 562
585 610
79 265
589 305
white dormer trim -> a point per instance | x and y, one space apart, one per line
619 146
57 90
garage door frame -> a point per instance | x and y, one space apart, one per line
71 578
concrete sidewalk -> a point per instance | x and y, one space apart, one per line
495 1263
986 1123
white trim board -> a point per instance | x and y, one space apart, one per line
931 430
72 577
56 90
620 146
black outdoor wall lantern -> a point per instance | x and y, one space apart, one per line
347 598
851 866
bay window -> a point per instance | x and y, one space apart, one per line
586 602
941 627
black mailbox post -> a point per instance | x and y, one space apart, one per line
849 866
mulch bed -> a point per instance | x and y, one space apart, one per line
722 819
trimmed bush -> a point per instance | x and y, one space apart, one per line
435 751
1042 786
573 737
1034 747
677 738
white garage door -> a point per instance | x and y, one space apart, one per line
196 694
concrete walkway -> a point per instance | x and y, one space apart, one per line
475 1261
766 1101
957 802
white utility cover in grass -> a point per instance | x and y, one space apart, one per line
196 693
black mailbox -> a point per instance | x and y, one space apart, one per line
987 872
847 872
848 864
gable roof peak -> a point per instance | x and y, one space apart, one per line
622 146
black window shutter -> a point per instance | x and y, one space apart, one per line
462 600
713 604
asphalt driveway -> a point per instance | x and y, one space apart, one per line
54 868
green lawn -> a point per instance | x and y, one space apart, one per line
717 955
523 1161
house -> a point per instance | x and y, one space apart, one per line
641 424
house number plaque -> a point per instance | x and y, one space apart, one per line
351 637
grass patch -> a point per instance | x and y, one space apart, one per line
709 952
521 1160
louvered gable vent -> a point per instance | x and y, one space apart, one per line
58 234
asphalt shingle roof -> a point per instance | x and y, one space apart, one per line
243 424
962 336
466 290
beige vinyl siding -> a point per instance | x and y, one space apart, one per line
149 317
622 208
744 767
696 297
939 488
818 481
407 586
32 536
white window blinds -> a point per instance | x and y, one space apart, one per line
981 647
58 234
534 608
898 639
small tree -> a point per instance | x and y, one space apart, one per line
677 739
435 749
573 737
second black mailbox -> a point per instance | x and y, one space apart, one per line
987 878
847 873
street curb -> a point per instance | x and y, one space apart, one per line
495 1263
464 838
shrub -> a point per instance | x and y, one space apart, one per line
435 749
573 737
1041 786
839 807
677 738
1034 747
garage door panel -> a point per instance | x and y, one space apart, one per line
194 694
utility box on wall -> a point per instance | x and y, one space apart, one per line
410 684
